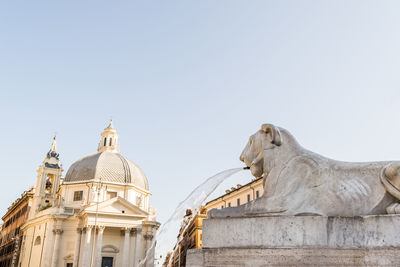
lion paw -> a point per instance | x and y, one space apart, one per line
226 212
393 208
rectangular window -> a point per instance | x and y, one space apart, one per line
111 195
69 264
257 194
78 195
238 201
229 204
248 197
222 206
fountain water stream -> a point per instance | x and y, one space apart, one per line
166 235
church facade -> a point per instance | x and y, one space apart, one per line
97 215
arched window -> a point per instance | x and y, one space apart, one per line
105 141
110 141
37 241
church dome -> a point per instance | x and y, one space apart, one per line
107 165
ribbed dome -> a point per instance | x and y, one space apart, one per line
106 166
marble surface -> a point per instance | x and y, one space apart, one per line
299 182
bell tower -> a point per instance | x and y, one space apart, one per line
48 179
109 139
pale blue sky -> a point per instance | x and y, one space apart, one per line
187 82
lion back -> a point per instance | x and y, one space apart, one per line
390 178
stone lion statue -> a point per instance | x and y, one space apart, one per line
300 182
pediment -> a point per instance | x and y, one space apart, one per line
116 206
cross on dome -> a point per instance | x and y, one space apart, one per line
111 125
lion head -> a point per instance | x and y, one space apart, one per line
262 141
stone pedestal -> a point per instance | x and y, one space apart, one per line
299 241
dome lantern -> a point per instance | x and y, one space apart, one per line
109 139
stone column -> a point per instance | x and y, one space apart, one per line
82 248
99 246
132 247
77 246
138 245
87 245
57 232
148 237
125 257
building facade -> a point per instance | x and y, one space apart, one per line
190 236
98 215
191 232
11 233
238 195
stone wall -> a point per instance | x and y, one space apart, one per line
299 241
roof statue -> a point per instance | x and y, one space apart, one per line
54 145
300 182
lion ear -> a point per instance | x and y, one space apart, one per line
275 133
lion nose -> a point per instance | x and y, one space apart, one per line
241 158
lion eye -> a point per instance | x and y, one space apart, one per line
251 141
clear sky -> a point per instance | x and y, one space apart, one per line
187 82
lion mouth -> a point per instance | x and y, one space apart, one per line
246 168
